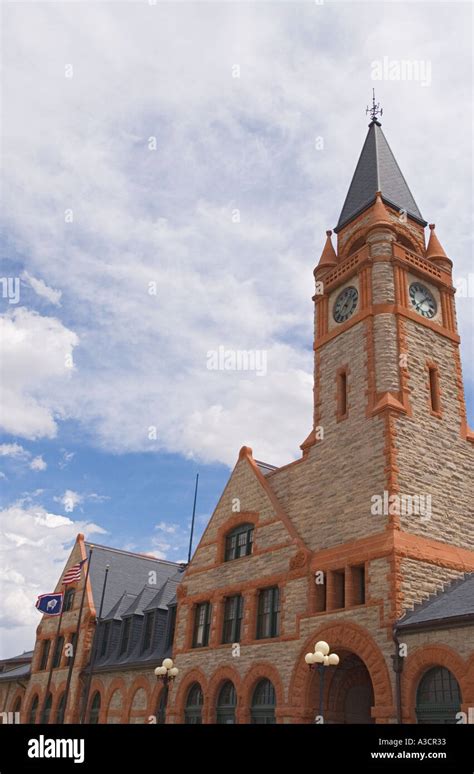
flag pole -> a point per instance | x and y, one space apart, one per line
73 657
192 520
94 649
51 658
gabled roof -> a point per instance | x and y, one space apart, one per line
128 573
377 170
165 596
455 603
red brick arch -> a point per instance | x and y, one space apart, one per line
193 676
215 684
256 673
19 693
349 637
35 694
118 683
422 659
141 714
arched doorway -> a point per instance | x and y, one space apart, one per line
263 703
226 702
194 702
348 695
438 697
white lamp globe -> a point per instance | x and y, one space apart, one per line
333 659
174 671
326 660
168 663
318 657
309 658
160 671
323 647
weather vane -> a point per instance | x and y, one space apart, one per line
375 110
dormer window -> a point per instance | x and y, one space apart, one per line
239 542
125 636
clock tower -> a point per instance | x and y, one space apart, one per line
389 410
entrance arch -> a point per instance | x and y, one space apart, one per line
358 690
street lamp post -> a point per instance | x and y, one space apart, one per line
320 659
166 673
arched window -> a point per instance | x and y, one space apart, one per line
33 710
226 702
17 705
45 715
69 600
263 703
95 708
194 702
239 542
60 708
438 697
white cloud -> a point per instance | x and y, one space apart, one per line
165 216
170 529
37 359
42 289
13 450
69 500
66 458
38 463
35 545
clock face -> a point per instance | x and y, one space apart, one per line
345 304
422 299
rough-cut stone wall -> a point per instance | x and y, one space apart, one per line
422 579
432 457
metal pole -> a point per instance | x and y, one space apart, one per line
94 649
51 657
73 657
321 688
192 520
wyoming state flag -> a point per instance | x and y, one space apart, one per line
51 604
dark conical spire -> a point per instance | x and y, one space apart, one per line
377 170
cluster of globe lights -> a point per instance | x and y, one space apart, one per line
321 655
167 670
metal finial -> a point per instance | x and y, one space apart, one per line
375 110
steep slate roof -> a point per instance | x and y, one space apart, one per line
17 673
128 573
377 170
455 601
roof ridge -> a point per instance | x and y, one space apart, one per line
131 553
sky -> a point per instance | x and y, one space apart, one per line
170 170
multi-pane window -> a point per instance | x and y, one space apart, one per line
33 710
148 633
268 617
233 613
68 600
202 625
95 709
263 703
438 698
105 638
226 703
45 653
58 651
125 635
193 709
239 542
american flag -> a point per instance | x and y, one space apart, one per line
74 573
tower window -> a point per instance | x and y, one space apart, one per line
68 600
233 611
435 401
58 652
341 397
239 542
